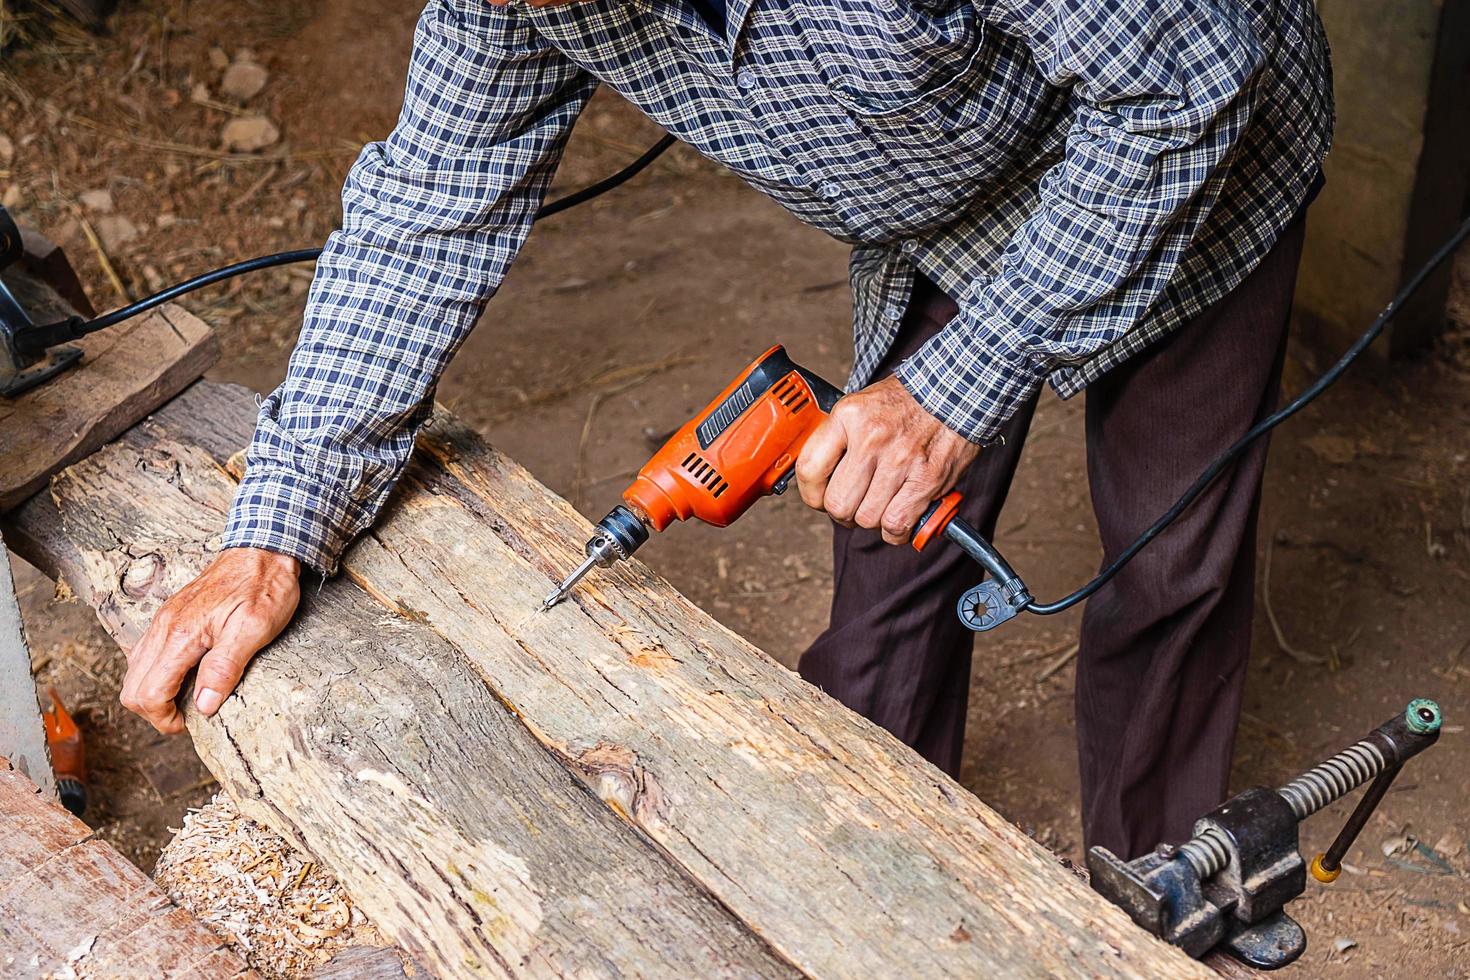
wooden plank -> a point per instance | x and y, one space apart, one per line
71 905
126 372
365 739
830 840
22 733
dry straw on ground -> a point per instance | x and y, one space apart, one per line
281 910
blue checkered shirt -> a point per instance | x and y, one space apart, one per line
1082 176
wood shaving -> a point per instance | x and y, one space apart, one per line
281 910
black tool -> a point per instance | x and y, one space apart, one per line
1227 886
21 366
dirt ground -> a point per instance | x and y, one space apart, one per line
622 317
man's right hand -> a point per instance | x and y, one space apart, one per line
236 606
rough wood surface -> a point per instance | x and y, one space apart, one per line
126 372
835 841
72 906
366 740
827 838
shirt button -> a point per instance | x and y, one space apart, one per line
893 313
745 78
910 247
828 189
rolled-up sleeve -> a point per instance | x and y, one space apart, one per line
432 218
1162 91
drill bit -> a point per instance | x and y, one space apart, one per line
602 550
617 536
560 592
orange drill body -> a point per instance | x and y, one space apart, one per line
742 446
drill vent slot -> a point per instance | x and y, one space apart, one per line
790 394
704 474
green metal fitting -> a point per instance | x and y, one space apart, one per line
1422 716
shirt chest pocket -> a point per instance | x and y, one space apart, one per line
936 124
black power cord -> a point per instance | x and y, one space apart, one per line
38 339
1213 471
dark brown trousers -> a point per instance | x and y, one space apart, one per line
1164 645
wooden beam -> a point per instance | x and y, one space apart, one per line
125 372
71 905
367 741
460 748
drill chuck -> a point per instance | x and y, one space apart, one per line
623 530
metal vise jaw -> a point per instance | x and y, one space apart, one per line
1226 886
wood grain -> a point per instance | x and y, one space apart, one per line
837 846
836 842
71 905
125 372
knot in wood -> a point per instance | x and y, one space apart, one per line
622 783
141 574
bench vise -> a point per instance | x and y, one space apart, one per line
1227 885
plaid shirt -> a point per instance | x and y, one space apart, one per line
1082 176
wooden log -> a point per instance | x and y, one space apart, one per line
72 906
366 740
831 841
125 372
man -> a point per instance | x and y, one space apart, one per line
1096 194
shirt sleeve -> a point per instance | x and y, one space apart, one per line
1162 91
432 219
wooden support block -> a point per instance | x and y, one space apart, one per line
126 372
618 784
71 905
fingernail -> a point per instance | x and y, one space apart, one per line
208 700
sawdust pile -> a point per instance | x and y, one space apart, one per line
278 908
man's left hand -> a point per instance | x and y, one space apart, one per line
879 460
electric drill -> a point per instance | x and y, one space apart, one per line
741 447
